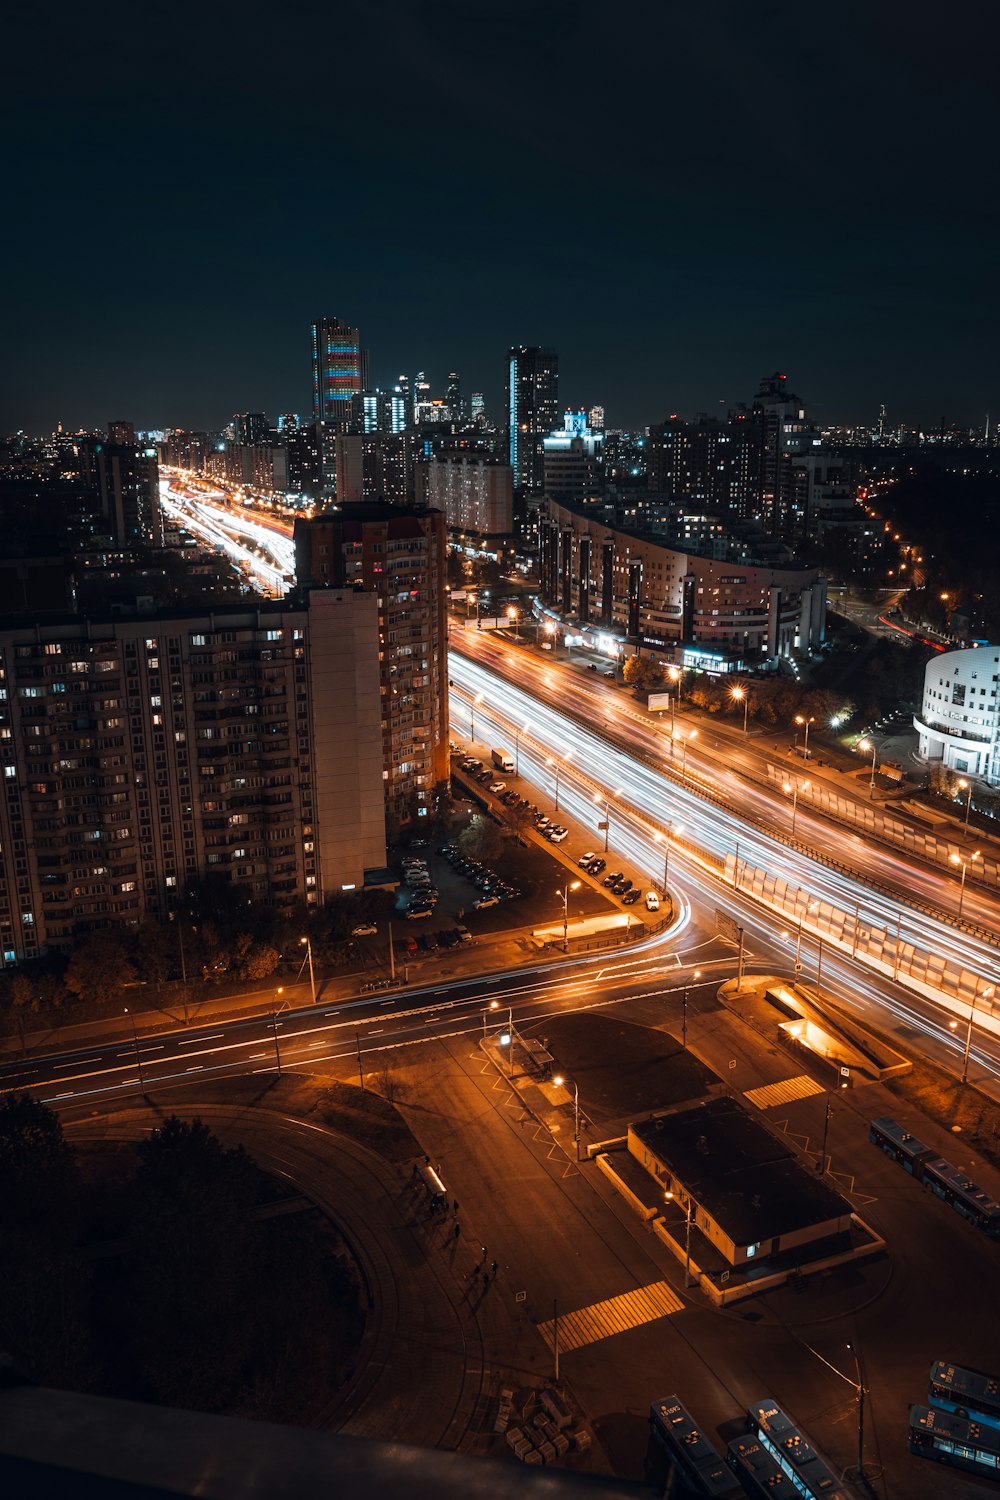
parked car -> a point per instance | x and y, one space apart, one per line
597 866
610 880
496 787
484 902
558 834
364 929
414 913
586 860
621 886
631 897
652 901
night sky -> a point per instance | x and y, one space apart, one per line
680 198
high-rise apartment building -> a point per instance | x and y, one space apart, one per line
375 466
140 753
125 477
339 370
475 491
250 427
532 410
399 556
453 397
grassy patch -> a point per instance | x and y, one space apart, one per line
950 1103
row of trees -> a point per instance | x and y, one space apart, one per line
768 701
203 1308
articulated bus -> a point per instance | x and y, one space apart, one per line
950 1439
792 1451
758 1473
690 1452
947 1182
967 1393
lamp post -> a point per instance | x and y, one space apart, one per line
801 719
138 1059
607 814
685 740
860 1388
517 747
867 745
664 839
472 717
967 787
507 1040
573 885
687 1234
799 787
684 1010
740 695
493 1005
990 989
559 1081
555 767
674 673
312 976
274 1029
957 859
512 616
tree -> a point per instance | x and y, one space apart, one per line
482 840
20 1004
98 970
642 673
37 1166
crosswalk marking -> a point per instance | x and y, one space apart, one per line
617 1315
770 1094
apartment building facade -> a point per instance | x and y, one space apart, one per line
140 753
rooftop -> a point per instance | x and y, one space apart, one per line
750 1182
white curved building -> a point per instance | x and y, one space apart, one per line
960 719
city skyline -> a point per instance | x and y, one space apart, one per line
699 206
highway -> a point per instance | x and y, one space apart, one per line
343 1032
644 801
261 548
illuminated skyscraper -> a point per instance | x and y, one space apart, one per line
532 410
338 369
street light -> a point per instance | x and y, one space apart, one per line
685 739
517 747
607 813
987 992
512 616
472 717
555 766
967 785
684 1010
687 1233
574 885
138 1059
800 719
664 839
312 977
957 859
866 745
506 1039
493 1005
674 673
799 787
560 1082
740 695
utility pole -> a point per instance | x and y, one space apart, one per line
274 1028
361 1074
138 1059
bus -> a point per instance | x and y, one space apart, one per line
689 1451
792 1451
898 1143
758 1473
965 1196
967 1393
954 1440
947 1182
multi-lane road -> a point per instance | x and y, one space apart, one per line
578 723
261 547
